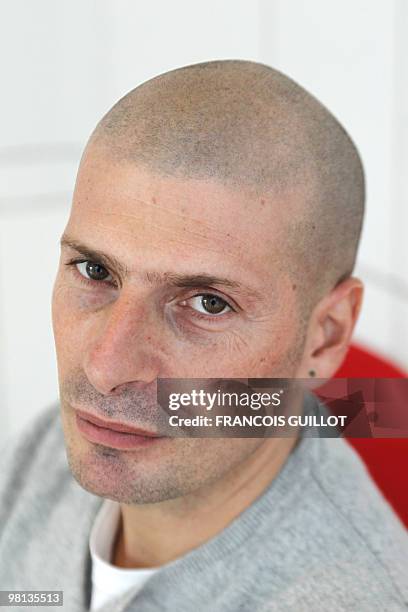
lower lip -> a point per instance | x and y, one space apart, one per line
113 439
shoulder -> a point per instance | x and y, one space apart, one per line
32 443
35 471
352 498
41 435
366 555
337 543
45 515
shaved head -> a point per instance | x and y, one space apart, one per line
253 129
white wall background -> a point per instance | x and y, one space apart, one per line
63 64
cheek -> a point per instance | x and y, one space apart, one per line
263 349
59 312
267 350
229 355
283 352
65 323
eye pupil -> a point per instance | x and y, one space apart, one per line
95 271
213 304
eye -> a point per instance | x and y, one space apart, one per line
208 303
93 271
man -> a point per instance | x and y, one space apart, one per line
213 233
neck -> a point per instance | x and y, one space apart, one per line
153 534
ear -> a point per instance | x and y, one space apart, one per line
330 328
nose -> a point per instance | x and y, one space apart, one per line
121 348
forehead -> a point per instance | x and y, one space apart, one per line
144 217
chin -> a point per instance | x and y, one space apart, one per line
105 472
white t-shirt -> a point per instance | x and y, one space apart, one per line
108 580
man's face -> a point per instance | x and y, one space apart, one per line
117 332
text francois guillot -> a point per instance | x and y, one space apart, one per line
254 401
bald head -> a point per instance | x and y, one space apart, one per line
251 128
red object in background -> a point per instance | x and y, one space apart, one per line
385 458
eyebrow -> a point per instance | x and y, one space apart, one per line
95 255
178 280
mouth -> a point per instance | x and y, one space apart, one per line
114 434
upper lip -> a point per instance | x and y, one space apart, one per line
115 425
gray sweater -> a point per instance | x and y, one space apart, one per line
320 538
